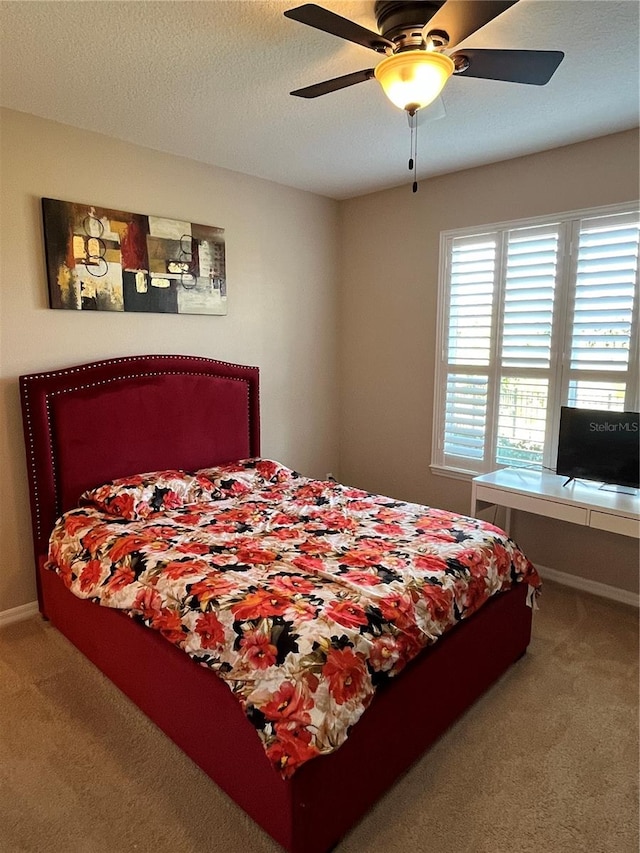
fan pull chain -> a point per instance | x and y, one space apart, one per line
415 161
411 144
413 155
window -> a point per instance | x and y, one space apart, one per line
533 315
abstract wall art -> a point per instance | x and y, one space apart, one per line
110 260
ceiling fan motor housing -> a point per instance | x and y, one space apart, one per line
402 22
420 32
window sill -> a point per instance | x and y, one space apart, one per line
453 473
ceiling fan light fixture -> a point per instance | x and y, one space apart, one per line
413 79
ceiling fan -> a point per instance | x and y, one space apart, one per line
415 36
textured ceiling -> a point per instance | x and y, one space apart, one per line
210 81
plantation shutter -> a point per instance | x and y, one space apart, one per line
606 286
472 266
527 324
533 316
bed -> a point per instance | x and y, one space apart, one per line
92 424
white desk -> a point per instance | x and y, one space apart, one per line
579 502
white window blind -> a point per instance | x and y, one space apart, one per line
532 316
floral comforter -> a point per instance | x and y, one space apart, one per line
303 595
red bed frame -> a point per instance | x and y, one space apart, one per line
91 423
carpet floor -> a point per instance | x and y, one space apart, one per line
545 762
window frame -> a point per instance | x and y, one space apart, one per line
559 370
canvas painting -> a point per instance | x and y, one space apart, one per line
110 260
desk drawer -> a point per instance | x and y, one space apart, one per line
615 523
538 506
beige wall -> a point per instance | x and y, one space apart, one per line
388 298
281 266
285 314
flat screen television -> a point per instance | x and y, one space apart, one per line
599 445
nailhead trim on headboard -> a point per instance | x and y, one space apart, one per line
27 380
82 368
32 455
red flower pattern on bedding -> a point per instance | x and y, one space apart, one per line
346 674
258 649
303 595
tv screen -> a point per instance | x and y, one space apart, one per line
597 445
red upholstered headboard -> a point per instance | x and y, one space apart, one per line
88 424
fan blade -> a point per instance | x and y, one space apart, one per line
333 85
535 67
335 25
460 18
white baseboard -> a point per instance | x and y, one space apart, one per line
18 614
594 587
